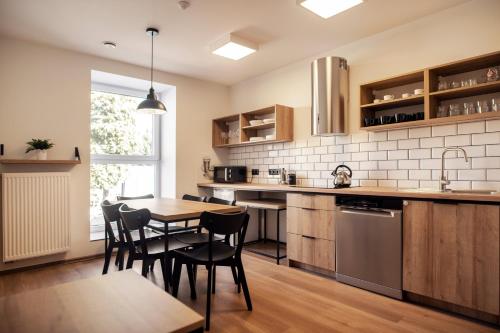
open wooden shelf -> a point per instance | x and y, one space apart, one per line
260 126
431 98
21 161
395 103
479 89
281 127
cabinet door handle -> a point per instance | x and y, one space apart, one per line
307 208
310 237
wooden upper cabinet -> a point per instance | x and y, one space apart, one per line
451 253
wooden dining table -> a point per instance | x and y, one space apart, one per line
175 210
118 302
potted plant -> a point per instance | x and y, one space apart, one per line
40 146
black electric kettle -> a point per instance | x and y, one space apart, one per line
343 175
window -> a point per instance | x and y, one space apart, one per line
125 152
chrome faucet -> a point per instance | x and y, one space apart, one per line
444 179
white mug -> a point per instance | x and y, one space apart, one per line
419 91
405 95
388 97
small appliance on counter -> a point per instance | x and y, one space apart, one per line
291 178
343 175
230 174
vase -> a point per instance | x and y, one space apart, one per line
41 154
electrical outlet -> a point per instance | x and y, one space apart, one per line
274 172
255 172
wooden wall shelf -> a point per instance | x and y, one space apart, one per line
281 127
432 97
21 161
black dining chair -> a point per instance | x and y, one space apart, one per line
115 238
214 254
146 250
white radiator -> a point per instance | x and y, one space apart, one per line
35 214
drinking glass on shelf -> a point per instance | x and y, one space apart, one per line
464 83
482 106
494 105
469 108
442 111
455 110
472 81
224 136
455 84
442 84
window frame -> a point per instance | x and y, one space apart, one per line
153 159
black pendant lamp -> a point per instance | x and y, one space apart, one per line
151 105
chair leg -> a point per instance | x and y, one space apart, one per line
130 260
195 272
243 281
235 277
213 280
118 253
176 277
122 259
152 267
209 294
163 272
145 267
107 258
192 285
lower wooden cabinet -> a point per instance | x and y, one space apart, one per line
311 251
451 252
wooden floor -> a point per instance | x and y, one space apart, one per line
284 300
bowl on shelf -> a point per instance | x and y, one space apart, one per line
256 122
268 120
256 138
270 137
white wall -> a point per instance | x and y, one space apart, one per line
45 92
406 158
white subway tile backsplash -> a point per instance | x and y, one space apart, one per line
408 144
486 138
444 130
457 140
417 154
419 174
388 165
474 174
431 142
398 135
493 150
377 136
460 185
387 145
493 125
469 128
397 155
408 164
368 146
419 132
377 155
399 158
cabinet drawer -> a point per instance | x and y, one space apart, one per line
318 252
312 201
311 222
294 246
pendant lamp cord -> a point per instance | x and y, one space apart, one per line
152 37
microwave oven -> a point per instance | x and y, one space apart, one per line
230 174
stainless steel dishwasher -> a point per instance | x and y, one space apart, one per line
369 244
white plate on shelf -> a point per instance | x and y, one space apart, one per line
256 138
256 122
270 137
268 121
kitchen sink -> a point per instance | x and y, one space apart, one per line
433 190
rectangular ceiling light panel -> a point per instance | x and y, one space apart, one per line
328 8
233 47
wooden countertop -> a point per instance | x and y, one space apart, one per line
370 191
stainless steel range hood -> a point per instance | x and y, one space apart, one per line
330 94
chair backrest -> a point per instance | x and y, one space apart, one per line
193 198
135 219
111 213
225 224
122 198
222 201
